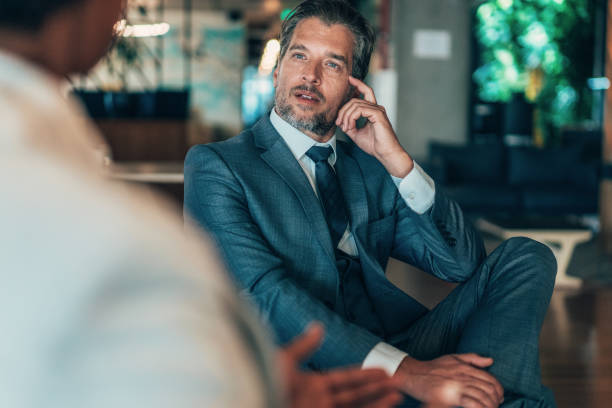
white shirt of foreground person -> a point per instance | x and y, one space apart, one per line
104 302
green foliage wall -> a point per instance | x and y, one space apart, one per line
543 48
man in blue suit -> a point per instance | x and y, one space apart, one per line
307 224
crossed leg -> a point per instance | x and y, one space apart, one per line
496 313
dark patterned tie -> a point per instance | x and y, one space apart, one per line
329 192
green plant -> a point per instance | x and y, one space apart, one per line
543 48
127 52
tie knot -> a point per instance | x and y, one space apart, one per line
319 153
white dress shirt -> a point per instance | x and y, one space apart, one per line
105 300
417 189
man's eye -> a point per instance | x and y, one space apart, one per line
299 56
333 65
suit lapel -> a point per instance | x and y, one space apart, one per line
278 156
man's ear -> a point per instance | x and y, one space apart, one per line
275 75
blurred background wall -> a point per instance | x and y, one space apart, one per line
433 92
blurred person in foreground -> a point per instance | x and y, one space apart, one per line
308 223
104 302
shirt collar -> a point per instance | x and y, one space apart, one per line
298 142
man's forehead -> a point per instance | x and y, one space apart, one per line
316 32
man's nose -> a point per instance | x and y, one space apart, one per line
311 73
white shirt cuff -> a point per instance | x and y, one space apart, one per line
417 189
384 356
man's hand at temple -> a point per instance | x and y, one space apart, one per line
425 380
377 137
352 387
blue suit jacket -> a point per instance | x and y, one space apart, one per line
252 195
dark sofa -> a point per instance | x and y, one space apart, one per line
496 179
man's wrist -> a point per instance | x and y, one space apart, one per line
405 372
398 164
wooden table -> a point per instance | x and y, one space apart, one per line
164 177
148 172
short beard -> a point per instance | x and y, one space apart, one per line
318 124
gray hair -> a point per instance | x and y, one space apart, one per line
334 12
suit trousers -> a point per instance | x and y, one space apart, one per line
496 313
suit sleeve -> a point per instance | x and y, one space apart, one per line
215 200
441 241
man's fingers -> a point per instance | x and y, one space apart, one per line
486 381
349 108
305 344
347 119
486 398
490 388
343 110
469 402
355 109
355 115
475 359
446 396
368 93
479 361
